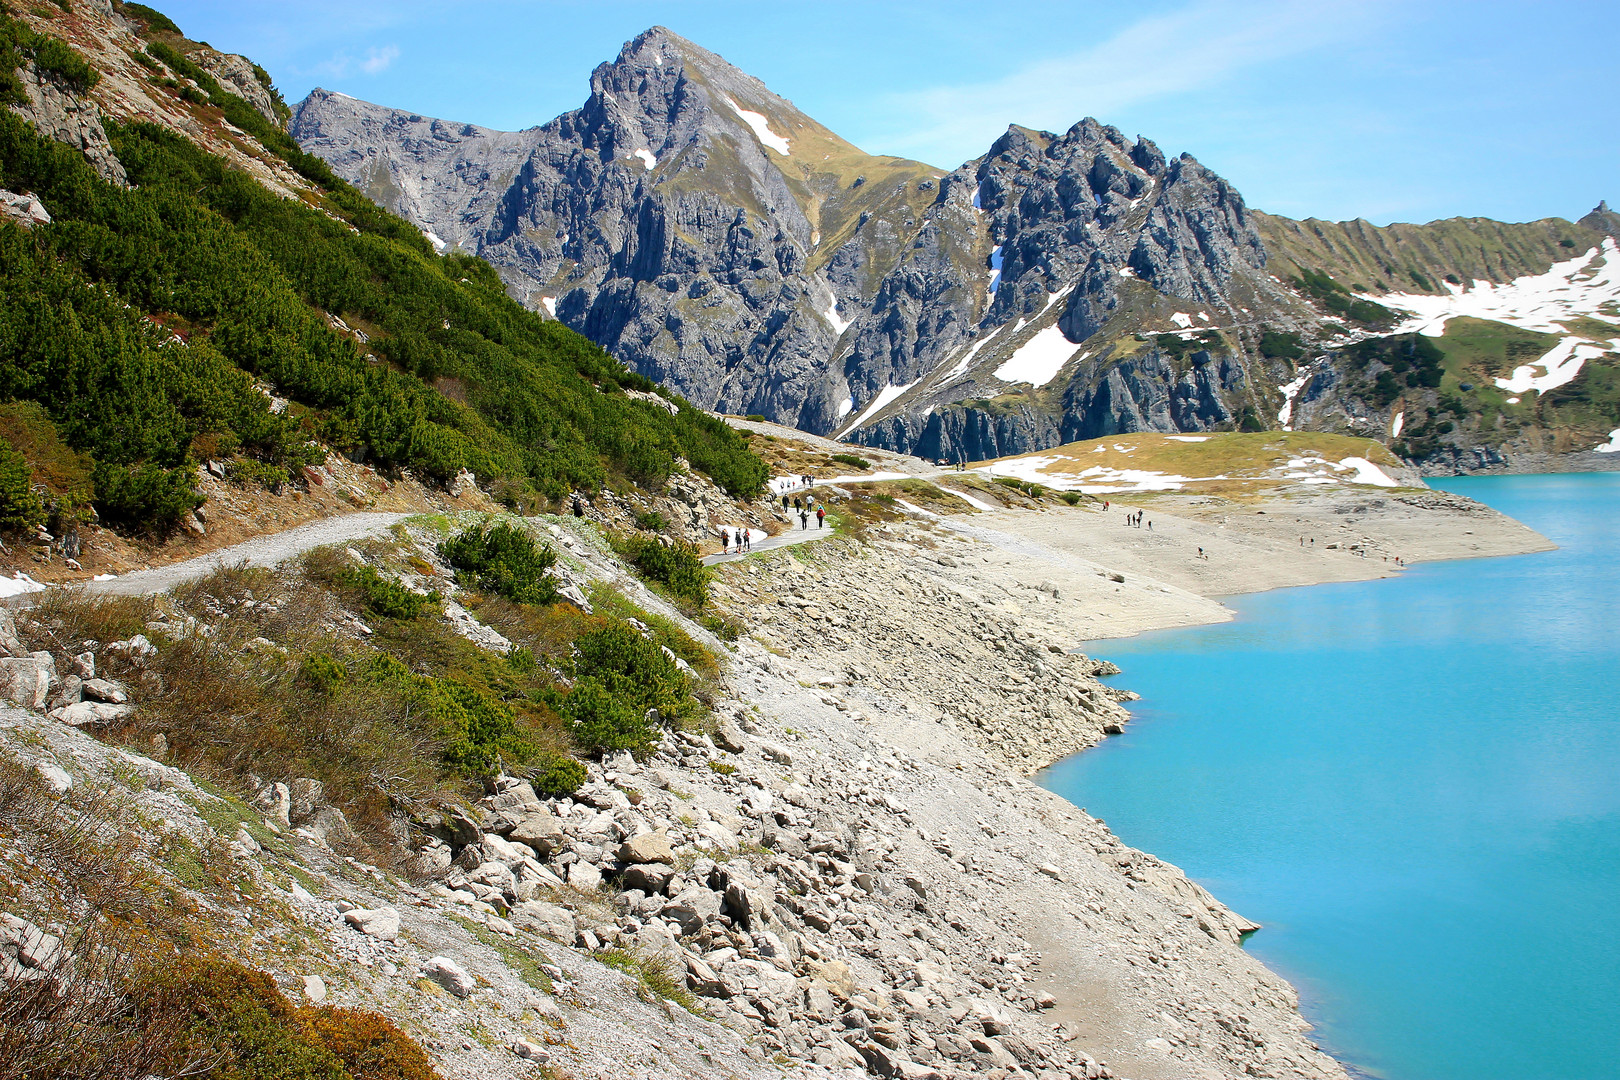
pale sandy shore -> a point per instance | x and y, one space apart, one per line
1305 537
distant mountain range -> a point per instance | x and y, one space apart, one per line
1061 287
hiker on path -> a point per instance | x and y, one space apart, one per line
725 541
798 503
821 516
804 519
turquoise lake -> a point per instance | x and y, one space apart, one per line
1414 785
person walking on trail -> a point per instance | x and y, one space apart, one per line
798 503
725 541
821 516
804 519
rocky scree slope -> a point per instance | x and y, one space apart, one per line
837 876
1061 287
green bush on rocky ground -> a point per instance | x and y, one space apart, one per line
345 672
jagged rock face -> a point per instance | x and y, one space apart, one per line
1068 228
667 219
61 115
718 240
236 74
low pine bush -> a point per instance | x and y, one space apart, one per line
674 565
503 560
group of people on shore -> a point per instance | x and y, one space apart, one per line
1134 520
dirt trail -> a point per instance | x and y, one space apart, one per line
265 550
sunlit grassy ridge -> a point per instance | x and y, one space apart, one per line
1221 463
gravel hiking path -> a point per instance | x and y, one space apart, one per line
260 551
795 535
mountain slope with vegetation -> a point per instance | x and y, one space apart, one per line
191 313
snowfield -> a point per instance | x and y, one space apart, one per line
1582 287
1039 359
761 128
884 396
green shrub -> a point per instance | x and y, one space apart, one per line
1072 497
1281 345
52 57
675 565
20 508
652 521
154 20
620 677
852 461
157 300
1337 300
557 775
385 597
504 560
235 1019
479 731
322 673
603 723
251 472
755 418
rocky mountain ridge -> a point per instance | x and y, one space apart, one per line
1062 287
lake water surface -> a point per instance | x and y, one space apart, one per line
1414 785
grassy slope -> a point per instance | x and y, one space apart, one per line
1383 258
1247 462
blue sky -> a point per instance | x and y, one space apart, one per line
1393 111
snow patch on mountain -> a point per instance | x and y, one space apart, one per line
1558 367
1039 359
1587 286
884 396
761 127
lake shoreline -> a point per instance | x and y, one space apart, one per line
1201 549
1279 682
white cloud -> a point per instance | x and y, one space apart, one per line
1186 50
377 60
343 64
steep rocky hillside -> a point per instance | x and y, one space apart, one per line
1061 287
189 297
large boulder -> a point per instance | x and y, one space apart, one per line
692 908
10 643
547 920
305 797
450 975
25 681
90 712
380 922
515 801
651 847
330 826
540 830
650 878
